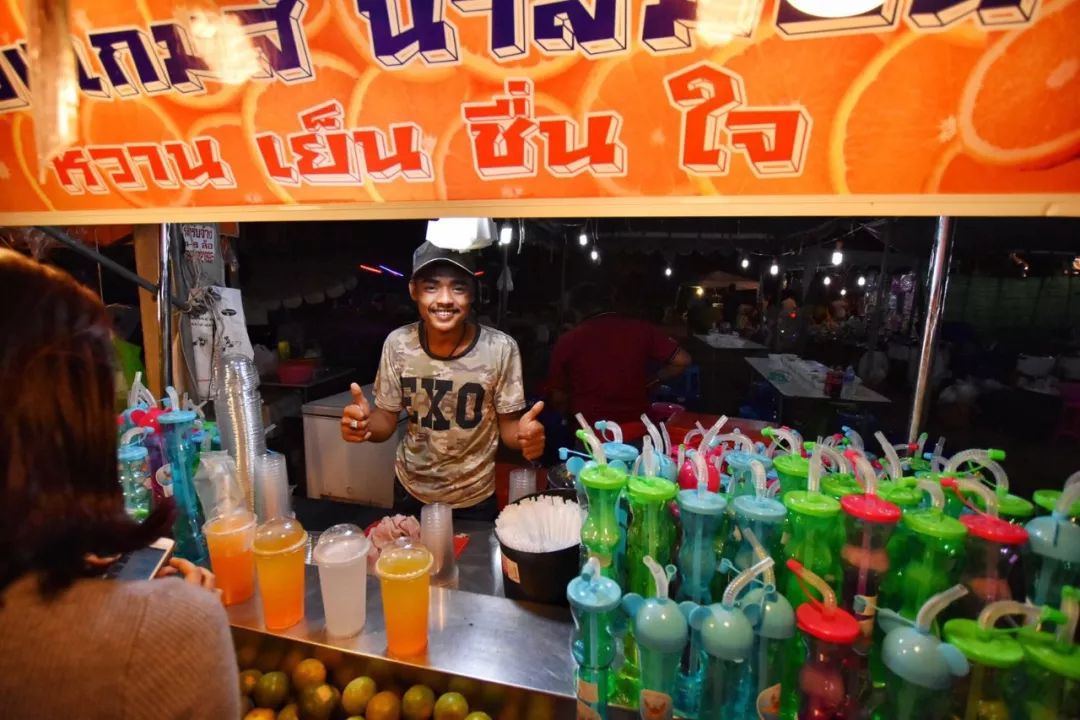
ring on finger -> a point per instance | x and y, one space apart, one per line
355 424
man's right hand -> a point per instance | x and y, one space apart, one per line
354 421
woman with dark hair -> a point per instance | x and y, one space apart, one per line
75 644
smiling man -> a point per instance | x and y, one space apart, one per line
460 384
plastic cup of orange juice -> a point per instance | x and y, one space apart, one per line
231 540
280 544
404 571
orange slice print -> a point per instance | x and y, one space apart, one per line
1021 104
251 187
274 108
899 114
808 72
382 98
958 172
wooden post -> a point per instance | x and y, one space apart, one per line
148 264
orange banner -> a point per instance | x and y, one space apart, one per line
365 104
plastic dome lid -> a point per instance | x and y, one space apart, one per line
131 453
761 509
620 451
659 625
811 503
341 545
871 508
1044 650
993 649
175 417
726 633
1009 505
771 614
707 503
651 489
1047 499
603 477
934 523
278 535
904 494
839 628
839 485
922 659
405 551
1053 538
740 460
597 594
994 529
794 465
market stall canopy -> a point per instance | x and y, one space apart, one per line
293 110
721 279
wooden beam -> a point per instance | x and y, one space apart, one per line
147 264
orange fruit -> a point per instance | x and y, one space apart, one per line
1021 103
773 76
451 706
418 703
271 690
357 695
318 702
308 673
958 172
384 706
899 114
275 108
248 680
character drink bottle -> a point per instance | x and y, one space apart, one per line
133 465
600 533
593 598
818 673
994 658
701 512
1052 665
661 633
1054 560
773 621
759 513
727 638
742 477
919 667
991 571
813 519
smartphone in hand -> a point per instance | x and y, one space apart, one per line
142 564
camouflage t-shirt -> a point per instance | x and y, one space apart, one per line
448 452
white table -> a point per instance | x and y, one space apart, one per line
720 341
790 385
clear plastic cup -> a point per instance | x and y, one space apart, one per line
404 571
231 540
280 546
341 555
522 483
437 535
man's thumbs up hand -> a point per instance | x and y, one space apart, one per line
354 421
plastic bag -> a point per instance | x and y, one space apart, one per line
53 77
217 486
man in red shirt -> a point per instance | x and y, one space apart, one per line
604 367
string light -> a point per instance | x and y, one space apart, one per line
837 256
667 272
594 255
505 235
745 263
583 239
861 281
827 281
843 292
774 269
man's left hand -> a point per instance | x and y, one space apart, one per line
530 433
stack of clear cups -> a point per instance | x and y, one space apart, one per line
238 410
271 487
522 483
437 535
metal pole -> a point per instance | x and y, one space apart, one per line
164 308
935 301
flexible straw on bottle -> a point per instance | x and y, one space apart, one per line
933 489
813 475
661 575
605 426
738 441
1070 607
760 554
744 578
976 487
808 580
1002 608
654 433
835 457
854 438
864 471
935 604
1069 495
988 459
895 469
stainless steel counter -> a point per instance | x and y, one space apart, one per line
478 635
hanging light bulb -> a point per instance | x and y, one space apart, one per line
843 292
667 272
594 255
745 263
827 281
837 256
583 239
505 235
774 269
861 281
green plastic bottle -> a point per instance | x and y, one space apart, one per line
1051 671
926 555
600 533
792 471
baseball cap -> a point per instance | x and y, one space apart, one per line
428 254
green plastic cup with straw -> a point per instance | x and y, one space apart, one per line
813 521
